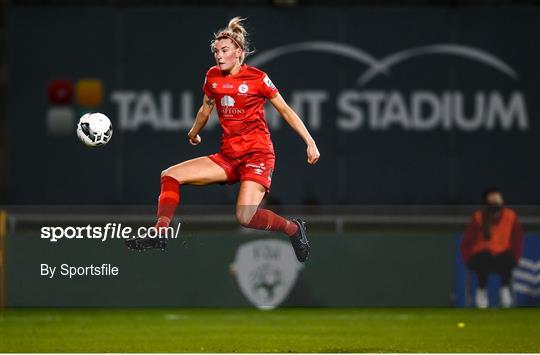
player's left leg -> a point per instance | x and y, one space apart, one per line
198 171
250 215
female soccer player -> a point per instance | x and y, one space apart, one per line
238 92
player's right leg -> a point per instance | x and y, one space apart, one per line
198 171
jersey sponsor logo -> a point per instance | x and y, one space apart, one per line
269 82
227 101
266 271
243 88
227 107
227 86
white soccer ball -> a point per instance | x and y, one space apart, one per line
94 129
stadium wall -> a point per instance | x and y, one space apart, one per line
408 105
344 270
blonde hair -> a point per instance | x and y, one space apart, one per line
236 32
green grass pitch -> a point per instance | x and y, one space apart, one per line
282 330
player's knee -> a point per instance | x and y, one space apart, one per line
173 174
244 216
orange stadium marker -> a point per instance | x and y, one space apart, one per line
89 92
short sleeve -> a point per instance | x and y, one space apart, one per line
206 87
267 87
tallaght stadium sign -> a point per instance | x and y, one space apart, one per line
359 107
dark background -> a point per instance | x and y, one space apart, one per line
362 255
132 47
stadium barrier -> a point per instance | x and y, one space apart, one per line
362 256
3 233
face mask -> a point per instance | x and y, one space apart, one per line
493 208
491 211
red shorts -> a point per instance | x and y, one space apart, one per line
257 167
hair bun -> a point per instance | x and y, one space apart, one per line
236 32
235 26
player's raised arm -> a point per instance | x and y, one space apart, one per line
296 123
200 120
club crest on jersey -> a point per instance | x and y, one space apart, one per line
269 82
243 88
266 271
227 101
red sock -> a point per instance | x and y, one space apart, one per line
168 201
268 220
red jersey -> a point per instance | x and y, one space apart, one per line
240 105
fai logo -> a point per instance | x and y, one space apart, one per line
269 82
266 270
227 101
243 89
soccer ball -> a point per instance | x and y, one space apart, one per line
94 129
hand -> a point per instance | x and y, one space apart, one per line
313 154
194 140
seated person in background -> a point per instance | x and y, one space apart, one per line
493 242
